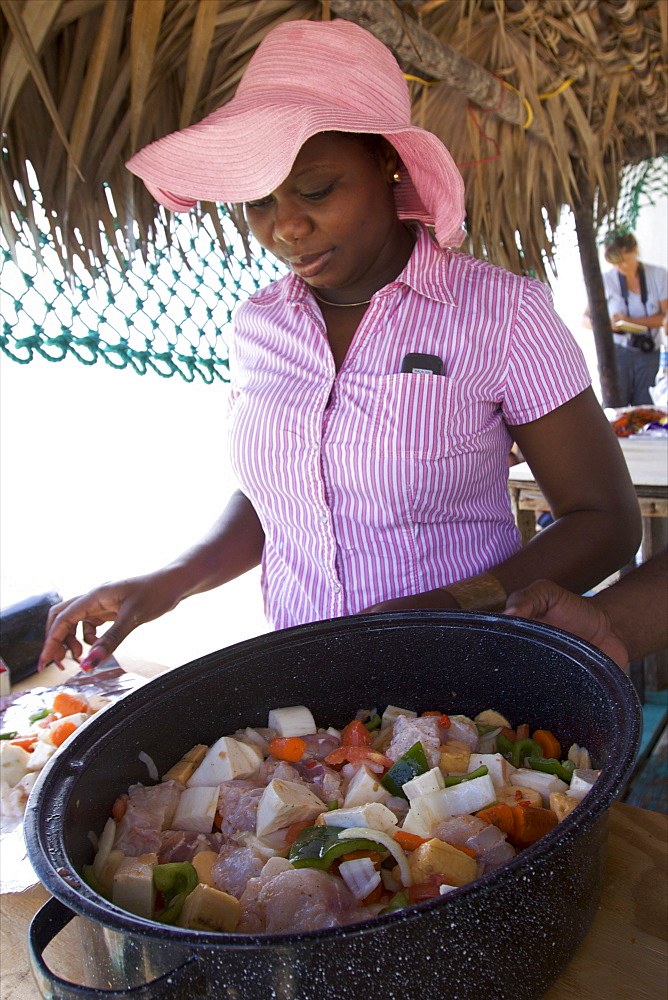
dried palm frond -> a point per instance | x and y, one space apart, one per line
86 83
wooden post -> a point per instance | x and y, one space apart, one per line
598 308
414 46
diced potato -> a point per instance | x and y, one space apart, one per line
579 756
196 809
203 864
181 771
512 794
295 720
455 757
96 702
438 858
14 762
132 887
425 813
491 718
470 796
226 760
197 753
423 784
284 803
498 767
209 909
184 769
364 787
582 781
42 752
374 815
563 804
541 782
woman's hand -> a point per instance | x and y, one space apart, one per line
232 546
545 601
127 603
438 598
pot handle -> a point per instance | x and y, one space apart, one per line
49 921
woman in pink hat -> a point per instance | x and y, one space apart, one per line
378 386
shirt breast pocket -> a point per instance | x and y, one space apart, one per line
414 415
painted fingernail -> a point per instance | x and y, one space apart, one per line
94 658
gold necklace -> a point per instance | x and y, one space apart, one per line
340 305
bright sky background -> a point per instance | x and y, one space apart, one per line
105 474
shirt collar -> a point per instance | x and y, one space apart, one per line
427 269
426 272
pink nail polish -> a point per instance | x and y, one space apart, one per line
94 658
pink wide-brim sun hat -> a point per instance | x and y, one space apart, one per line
306 77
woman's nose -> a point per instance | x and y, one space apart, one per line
291 223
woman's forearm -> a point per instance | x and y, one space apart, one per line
232 546
579 465
653 322
577 551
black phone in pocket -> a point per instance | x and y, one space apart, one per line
422 364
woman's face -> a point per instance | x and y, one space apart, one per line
628 265
333 220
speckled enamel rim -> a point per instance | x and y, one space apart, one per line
48 854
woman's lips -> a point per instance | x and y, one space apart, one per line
311 264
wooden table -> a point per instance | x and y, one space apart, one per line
647 460
623 957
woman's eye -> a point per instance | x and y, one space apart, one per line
260 203
317 195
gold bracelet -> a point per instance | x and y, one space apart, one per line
478 593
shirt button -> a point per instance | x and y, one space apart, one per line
336 588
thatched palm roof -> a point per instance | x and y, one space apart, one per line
561 94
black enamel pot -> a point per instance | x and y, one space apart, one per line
508 935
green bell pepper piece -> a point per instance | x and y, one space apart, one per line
175 881
412 763
504 745
319 846
398 902
9 736
456 779
483 729
550 765
36 716
516 752
525 748
373 723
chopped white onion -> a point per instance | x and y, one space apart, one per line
365 832
360 875
150 765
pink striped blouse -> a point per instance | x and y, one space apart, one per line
371 483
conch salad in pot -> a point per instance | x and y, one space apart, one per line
293 828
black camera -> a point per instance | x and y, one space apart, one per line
642 342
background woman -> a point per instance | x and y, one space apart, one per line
636 293
378 387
